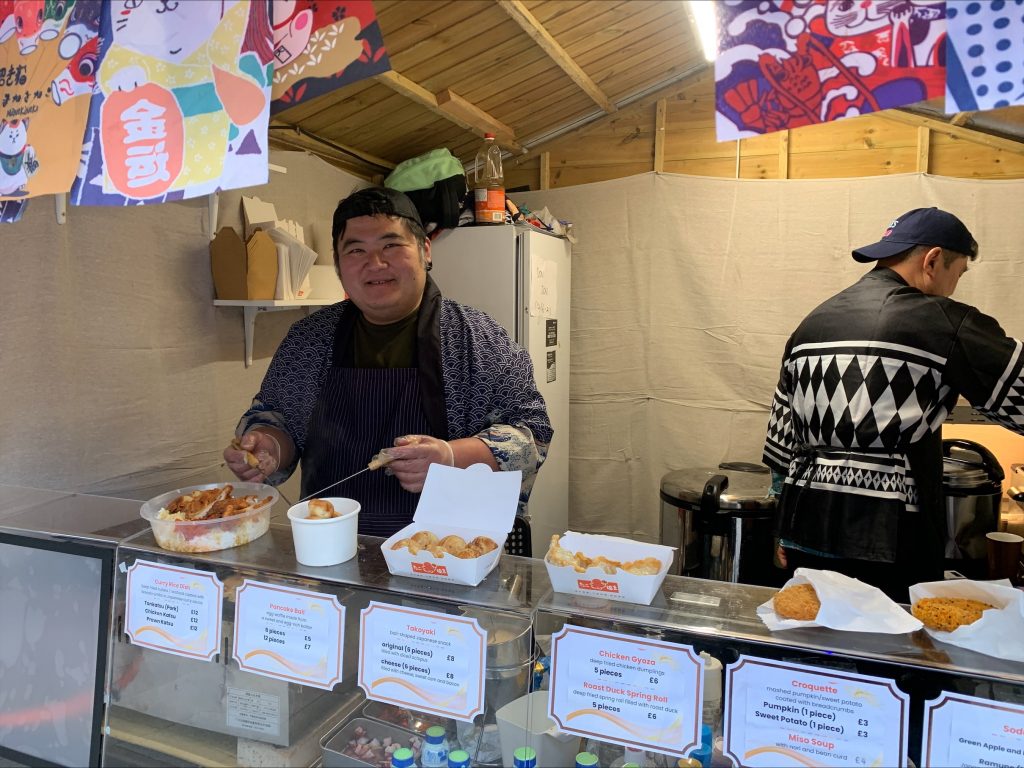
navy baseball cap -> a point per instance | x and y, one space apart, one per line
921 226
373 201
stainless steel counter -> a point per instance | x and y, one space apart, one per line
60 514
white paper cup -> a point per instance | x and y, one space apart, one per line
328 541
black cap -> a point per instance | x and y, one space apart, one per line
921 226
373 201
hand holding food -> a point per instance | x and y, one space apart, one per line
799 602
254 456
562 557
449 545
946 614
413 455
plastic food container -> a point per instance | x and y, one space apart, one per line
333 744
211 535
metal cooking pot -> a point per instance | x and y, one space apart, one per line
972 482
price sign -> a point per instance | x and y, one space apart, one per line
289 634
174 610
424 660
628 690
964 730
781 714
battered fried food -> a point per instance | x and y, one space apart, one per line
250 457
211 504
648 566
321 509
450 545
560 556
453 543
484 544
797 602
425 538
946 614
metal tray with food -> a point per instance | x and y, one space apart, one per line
362 742
206 518
409 719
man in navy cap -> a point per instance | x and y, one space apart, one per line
395 365
867 380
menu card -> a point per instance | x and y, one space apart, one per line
968 731
174 610
289 634
427 661
786 714
625 689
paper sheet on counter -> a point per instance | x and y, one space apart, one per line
1000 630
846 604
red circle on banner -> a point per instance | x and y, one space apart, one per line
142 134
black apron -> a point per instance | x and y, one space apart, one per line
359 411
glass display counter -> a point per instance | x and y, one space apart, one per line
245 657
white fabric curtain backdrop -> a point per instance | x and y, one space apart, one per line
685 290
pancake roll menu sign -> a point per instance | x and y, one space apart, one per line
785 714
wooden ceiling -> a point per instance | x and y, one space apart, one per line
524 70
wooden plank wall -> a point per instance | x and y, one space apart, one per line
624 144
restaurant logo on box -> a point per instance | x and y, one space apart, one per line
597 585
429 568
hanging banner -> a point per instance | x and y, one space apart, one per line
985 68
784 64
320 46
48 56
182 102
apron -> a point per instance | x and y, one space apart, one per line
358 412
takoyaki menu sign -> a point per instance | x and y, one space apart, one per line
965 730
428 661
289 634
174 610
784 714
627 690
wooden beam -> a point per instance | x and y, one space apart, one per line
411 90
954 131
924 136
784 154
545 170
659 135
522 16
300 137
457 108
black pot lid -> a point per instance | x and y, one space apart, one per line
745 490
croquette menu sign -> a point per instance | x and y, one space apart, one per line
783 714
625 689
964 730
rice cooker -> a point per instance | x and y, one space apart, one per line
972 483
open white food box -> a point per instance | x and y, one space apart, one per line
596 581
468 503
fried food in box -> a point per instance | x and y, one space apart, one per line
946 614
450 545
321 509
561 557
799 602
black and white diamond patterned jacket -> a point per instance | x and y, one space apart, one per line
867 380
474 382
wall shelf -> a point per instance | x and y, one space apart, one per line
250 308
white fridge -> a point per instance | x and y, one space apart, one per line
520 276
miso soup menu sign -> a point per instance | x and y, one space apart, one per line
783 714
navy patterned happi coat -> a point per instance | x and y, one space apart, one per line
867 380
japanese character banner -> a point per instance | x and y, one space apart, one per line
182 101
787 63
47 71
986 66
321 46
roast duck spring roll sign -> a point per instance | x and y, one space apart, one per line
627 690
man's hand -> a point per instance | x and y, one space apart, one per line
780 557
255 445
413 455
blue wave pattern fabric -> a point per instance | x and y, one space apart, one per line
985 69
489 388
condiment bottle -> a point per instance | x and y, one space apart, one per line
586 760
524 757
458 758
403 758
435 749
489 184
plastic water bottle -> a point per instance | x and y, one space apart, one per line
489 184
586 760
524 757
458 758
435 749
403 758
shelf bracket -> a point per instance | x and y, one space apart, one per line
212 207
60 202
249 319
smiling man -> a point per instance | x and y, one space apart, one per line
395 365
867 380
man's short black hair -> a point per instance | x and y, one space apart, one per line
376 201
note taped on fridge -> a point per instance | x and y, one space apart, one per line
544 288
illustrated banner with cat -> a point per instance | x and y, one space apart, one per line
181 104
48 52
320 46
788 63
